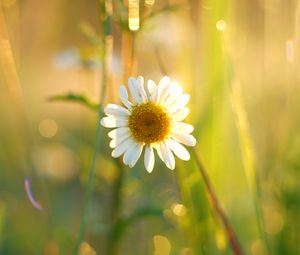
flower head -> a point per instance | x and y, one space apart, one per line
152 119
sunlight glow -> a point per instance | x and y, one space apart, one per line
221 25
134 15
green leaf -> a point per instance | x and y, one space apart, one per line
76 98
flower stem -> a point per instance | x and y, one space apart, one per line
234 243
106 25
112 242
88 193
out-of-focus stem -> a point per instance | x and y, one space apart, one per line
8 66
106 25
112 243
234 243
88 193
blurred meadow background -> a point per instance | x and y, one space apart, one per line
238 59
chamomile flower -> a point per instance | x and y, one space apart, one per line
151 120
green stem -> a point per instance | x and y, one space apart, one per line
106 24
112 242
234 243
88 192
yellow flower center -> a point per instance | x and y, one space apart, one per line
149 123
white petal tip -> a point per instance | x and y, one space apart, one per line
171 167
102 123
149 170
131 80
187 158
113 155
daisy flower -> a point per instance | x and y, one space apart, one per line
151 120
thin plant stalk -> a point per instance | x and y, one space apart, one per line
91 172
88 193
234 243
115 211
246 144
112 248
249 159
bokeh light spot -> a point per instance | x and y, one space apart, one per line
162 245
179 210
86 249
55 161
274 221
257 248
221 25
48 128
221 239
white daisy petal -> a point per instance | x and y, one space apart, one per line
167 155
181 127
132 84
118 140
157 147
151 89
186 139
184 99
140 86
162 89
121 148
164 81
132 155
175 92
113 109
178 149
149 158
112 122
118 132
150 104
164 94
124 96
169 92
181 114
